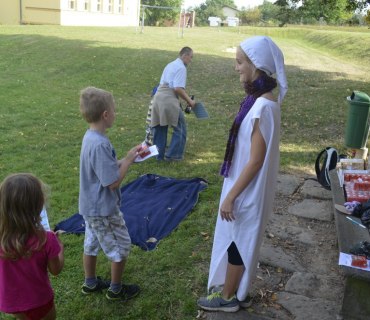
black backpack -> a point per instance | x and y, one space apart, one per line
326 160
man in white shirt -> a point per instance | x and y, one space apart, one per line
166 109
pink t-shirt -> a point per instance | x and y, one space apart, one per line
24 283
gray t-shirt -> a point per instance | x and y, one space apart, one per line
98 170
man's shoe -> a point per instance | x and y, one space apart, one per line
127 292
215 302
173 159
99 286
247 302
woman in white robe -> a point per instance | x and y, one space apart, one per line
250 169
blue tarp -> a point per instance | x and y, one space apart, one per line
153 206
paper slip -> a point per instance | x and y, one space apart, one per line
346 260
342 209
200 111
45 220
150 152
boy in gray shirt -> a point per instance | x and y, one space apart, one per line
99 200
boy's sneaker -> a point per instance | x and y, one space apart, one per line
215 302
127 292
247 302
100 285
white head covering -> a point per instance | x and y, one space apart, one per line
267 56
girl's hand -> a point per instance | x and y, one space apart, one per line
226 210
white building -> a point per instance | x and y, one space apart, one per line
117 13
229 11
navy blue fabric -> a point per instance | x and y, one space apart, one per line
153 206
74 224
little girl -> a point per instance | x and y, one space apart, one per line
27 251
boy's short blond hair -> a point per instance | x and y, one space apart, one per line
93 102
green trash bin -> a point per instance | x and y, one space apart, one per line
357 129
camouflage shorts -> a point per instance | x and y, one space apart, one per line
108 233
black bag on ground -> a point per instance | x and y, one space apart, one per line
326 160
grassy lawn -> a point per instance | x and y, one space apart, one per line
43 68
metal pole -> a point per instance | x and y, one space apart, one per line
142 21
183 23
20 12
138 16
178 32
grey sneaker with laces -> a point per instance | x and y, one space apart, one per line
99 286
127 292
215 302
246 303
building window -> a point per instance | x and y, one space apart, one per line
120 6
98 5
110 6
72 4
86 5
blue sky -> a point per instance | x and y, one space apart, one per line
239 3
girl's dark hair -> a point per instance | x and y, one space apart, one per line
256 88
262 81
22 198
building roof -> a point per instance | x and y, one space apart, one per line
230 8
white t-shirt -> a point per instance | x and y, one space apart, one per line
174 74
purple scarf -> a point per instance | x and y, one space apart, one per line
261 85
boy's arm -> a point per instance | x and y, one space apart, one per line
124 164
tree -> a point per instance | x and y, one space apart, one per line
367 17
331 11
353 5
269 11
250 16
156 16
211 8
287 11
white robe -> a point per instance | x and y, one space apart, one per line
254 204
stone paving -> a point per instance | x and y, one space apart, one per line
298 276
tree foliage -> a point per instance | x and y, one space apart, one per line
157 16
357 4
250 16
269 11
367 17
330 11
288 11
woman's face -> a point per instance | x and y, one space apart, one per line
246 69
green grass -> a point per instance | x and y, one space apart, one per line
43 68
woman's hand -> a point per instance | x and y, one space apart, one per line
226 210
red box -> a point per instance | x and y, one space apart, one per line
359 261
